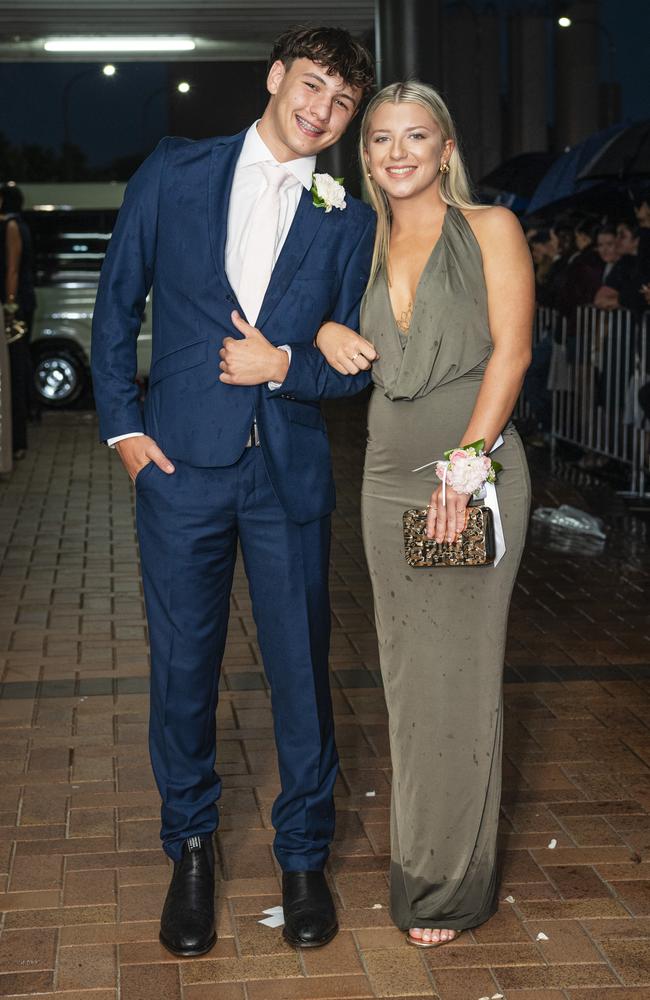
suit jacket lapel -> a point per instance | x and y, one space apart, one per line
222 168
304 227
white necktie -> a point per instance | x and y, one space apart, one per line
259 256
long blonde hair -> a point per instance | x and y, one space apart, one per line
454 185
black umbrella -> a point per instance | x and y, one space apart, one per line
519 175
626 155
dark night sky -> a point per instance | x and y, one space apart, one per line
106 114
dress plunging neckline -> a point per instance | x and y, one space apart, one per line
427 264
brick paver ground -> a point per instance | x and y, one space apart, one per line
82 877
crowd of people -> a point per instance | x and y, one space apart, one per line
584 260
579 261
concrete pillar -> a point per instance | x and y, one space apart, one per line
577 75
491 98
527 109
472 84
462 80
408 41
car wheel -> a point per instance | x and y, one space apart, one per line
60 376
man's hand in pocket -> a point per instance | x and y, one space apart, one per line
136 452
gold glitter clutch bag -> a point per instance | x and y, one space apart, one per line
475 546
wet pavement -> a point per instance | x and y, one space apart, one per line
82 877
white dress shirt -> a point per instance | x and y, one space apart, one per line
247 186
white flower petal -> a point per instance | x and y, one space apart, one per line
509 899
370 795
541 936
330 191
552 845
377 906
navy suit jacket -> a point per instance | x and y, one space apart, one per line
170 235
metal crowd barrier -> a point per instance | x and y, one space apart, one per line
599 361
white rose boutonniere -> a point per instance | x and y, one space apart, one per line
328 192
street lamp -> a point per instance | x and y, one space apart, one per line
564 21
108 71
182 87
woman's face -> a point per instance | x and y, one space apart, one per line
582 240
607 248
405 149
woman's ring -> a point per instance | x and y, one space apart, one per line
355 356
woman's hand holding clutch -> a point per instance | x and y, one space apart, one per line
345 350
445 523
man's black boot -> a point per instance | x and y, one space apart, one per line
187 922
309 914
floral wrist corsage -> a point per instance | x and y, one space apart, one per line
466 469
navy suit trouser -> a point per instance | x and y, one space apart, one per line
189 524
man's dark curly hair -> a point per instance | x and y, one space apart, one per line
332 48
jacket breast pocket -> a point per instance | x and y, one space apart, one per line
179 360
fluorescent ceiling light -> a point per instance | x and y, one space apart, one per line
119 43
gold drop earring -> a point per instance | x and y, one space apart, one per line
444 168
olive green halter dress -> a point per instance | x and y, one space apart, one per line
441 631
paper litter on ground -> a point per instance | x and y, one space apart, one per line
275 917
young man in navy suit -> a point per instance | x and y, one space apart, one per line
245 265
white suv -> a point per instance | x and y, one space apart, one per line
70 225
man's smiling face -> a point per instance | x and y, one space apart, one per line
309 110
